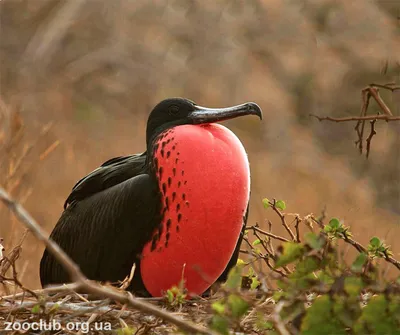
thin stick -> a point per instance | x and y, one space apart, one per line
357 118
276 237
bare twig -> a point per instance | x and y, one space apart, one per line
375 94
296 226
82 283
361 123
357 118
276 317
371 135
366 93
276 237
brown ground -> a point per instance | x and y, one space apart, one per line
96 68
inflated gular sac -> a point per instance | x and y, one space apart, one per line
203 172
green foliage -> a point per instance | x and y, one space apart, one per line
176 295
291 252
233 306
320 292
35 309
376 248
314 241
280 204
359 263
380 316
319 318
340 289
218 307
335 229
126 331
266 203
254 283
237 306
220 324
234 278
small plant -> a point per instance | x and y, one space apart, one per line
176 296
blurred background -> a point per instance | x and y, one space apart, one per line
79 77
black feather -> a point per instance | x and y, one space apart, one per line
110 173
117 221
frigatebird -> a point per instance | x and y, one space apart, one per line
177 211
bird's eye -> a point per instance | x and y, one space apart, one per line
173 110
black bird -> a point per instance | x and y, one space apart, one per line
176 211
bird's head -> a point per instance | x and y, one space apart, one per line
178 111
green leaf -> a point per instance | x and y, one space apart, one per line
319 319
263 324
376 319
278 295
234 277
240 262
325 278
35 309
334 223
238 306
220 324
126 331
308 265
314 241
280 204
375 242
358 264
218 307
353 285
265 202
254 283
347 310
291 252
256 242
170 296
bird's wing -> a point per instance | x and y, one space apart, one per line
232 262
106 232
110 173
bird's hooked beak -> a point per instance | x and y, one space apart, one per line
209 115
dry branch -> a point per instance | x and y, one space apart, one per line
83 283
366 94
357 118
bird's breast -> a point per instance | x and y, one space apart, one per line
203 175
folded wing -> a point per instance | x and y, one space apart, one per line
111 214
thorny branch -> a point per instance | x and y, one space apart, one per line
83 283
368 92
